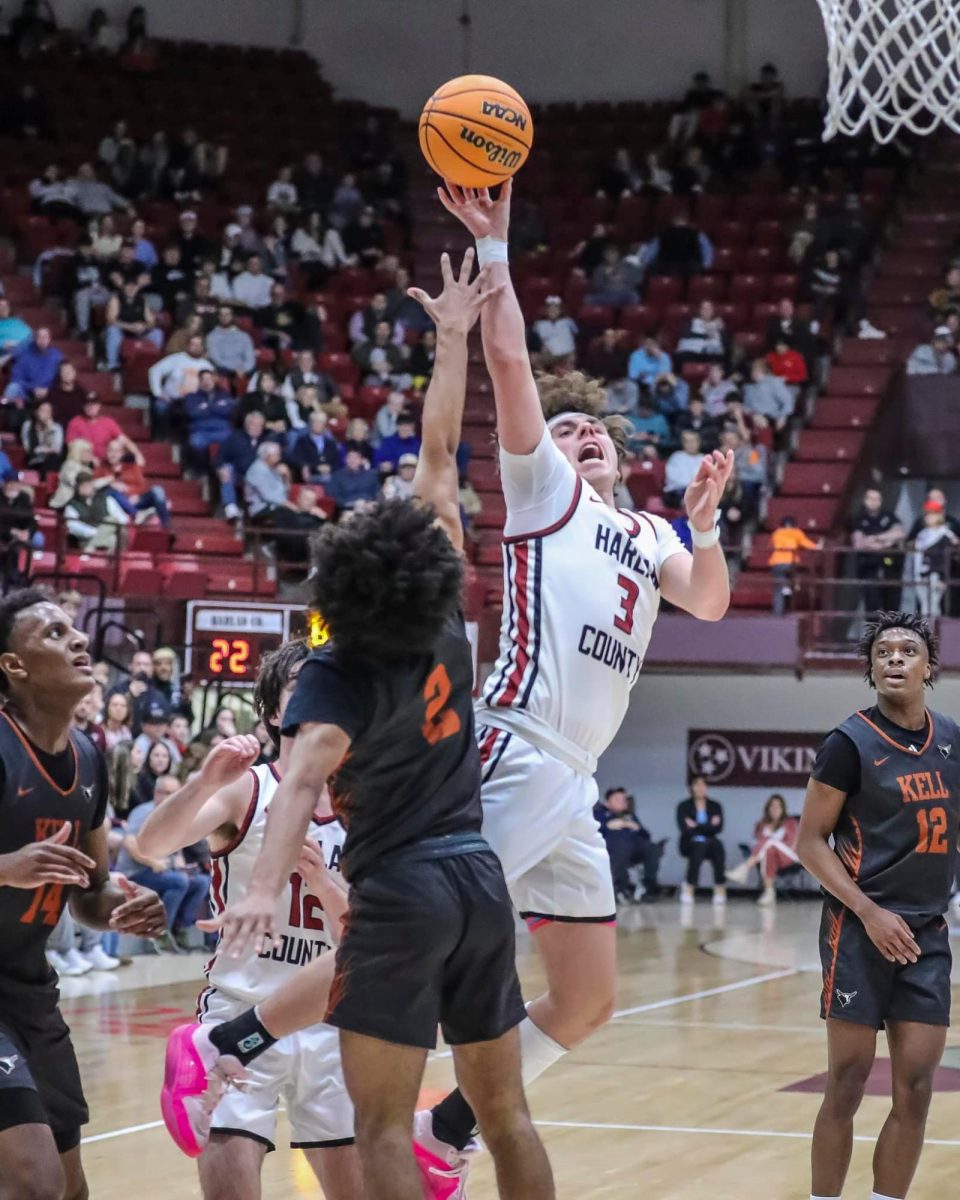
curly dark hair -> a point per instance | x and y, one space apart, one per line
11 606
578 392
884 621
273 676
386 580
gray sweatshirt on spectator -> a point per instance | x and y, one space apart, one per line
927 361
265 488
96 199
231 349
770 397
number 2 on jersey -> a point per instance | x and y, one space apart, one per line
628 602
441 722
932 838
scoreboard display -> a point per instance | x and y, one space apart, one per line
227 640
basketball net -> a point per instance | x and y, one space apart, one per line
894 65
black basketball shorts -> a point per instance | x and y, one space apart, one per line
861 986
429 941
39 1077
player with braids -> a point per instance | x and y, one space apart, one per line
886 788
582 588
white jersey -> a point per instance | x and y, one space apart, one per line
300 922
581 594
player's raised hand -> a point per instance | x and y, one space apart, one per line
49 861
482 215
457 307
227 761
891 935
244 925
142 912
702 497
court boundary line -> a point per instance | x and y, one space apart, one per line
693 1130
706 993
697 1130
670 1001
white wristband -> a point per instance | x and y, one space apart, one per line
491 250
704 540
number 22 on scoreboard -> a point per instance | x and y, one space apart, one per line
230 655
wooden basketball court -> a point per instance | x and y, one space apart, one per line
705 1084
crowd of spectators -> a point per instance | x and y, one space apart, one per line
939 353
145 717
229 309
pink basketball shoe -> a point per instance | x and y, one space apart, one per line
443 1168
195 1077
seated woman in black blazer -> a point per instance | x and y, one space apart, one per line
700 822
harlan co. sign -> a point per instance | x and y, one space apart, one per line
748 758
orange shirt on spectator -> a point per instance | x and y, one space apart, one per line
128 473
786 544
789 365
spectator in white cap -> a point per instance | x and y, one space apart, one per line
557 335
400 486
937 357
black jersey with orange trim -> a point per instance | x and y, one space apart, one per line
39 792
413 769
897 831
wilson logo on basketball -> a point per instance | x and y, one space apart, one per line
495 152
490 108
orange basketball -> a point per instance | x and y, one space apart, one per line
476 131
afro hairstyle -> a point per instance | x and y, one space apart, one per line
884 621
386 580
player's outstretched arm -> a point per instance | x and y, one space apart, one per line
821 810
317 752
454 312
211 805
520 423
700 583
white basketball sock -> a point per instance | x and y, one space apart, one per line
877 1196
824 1198
538 1051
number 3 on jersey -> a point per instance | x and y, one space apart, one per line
441 722
628 602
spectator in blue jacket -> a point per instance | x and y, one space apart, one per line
209 412
7 472
235 457
316 452
354 483
36 364
649 361
404 441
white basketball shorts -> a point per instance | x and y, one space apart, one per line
303 1070
538 818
